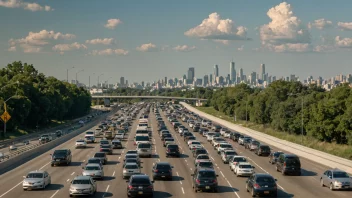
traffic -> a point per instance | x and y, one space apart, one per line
163 150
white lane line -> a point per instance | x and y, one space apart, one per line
54 194
72 173
183 191
222 174
44 166
107 188
229 183
212 158
119 157
123 150
10 189
176 173
190 168
158 160
181 182
236 193
84 160
258 165
113 174
281 187
216 164
67 180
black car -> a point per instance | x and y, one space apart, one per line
261 184
106 149
235 136
62 156
186 134
288 164
166 135
196 129
172 150
116 144
199 151
162 170
161 128
274 156
140 185
204 179
262 150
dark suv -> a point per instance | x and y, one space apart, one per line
288 164
162 170
261 184
262 150
172 150
204 179
140 185
62 156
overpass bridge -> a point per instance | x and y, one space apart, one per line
146 97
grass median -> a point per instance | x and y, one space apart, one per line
344 151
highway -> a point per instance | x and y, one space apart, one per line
113 185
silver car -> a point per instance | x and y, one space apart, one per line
83 185
144 149
36 180
130 169
93 170
336 179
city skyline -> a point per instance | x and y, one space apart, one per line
292 37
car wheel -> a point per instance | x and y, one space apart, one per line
322 183
71 195
276 169
252 193
195 190
331 187
283 172
52 165
247 188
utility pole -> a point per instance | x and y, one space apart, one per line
67 73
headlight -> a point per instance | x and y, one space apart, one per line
338 183
72 189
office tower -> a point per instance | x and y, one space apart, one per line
269 79
199 81
216 72
262 71
293 77
184 77
142 83
190 76
232 73
122 81
253 78
165 81
126 83
205 80
220 80
241 75
211 79
274 79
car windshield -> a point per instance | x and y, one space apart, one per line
239 159
104 142
206 164
99 155
133 160
142 138
206 174
198 143
226 146
81 181
265 180
35 175
277 154
203 157
210 134
130 156
131 152
200 151
105 146
231 153
292 161
131 166
245 166
340 175
60 152
92 168
172 146
94 161
163 166
169 139
140 180
90 133
144 145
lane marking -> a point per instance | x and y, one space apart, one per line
236 193
54 194
107 188
183 191
113 174
44 165
11 189
281 187
84 160
72 173
258 165
67 180
176 173
222 174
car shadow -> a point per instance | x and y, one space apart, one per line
184 156
111 162
54 187
308 173
224 189
108 178
155 156
103 194
162 194
75 164
177 178
281 193
88 147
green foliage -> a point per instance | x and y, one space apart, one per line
39 99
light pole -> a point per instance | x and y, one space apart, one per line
78 73
67 72
98 80
107 82
302 121
5 121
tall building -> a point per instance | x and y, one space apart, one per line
211 79
184 77
126 83
253 80
122 81
241 75
262 72
190 76
205 80
142 83
232 73
165 81
216 72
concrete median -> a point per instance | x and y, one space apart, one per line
302 151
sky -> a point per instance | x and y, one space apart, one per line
152 39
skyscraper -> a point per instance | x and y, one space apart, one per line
253 80
211 79
216 73
190 76
241 75
262 71
205 80
232 72
122 81
165 81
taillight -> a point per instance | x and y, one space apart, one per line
197 181
256 186
155 171
284 164
168 150
215 181
130 187
101 149
151 187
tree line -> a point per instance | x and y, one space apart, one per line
38 99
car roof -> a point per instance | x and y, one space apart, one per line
130 163
81 177
37 171
337 170
263 175
140 176
201 169
244 163
163 163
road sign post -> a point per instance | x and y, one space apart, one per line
5 117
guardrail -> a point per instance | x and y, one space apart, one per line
316 156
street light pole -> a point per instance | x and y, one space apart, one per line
76 75
67 72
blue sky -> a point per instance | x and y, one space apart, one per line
147 40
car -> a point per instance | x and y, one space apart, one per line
104 142
172 150
217 140
120 135
162 170
188 138
93 170
336 179
130 169
94 161
193 144
36 180
242 140
140 185
204 179
227 134
101 156
144 149
201 157
166 140
83 185
288 164
261 184
81 144
61 156
199 151
235 136
216 128
106 149
132 152
234 160
224 146
186 134
262 150
116 144
227 154
132 160
205 164
243 169
210 136
132 156
274 156
165 135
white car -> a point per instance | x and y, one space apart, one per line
223 130
210 136
120 135
227 154
195 145
201 157
204 123
227 134
236 159
223 147
190 142
36 180
191 124
81 144
180 130
243 169
217 140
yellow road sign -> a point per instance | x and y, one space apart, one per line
5 116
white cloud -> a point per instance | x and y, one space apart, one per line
112 23
34 41
25 5
215 28
184 48
109 52
148 47
241 48
12 49
321 24
68 47
285 31
104 41
343 42
324 48
345 26
225 42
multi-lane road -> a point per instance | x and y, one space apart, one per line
113 185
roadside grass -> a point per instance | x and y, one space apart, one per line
340 150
